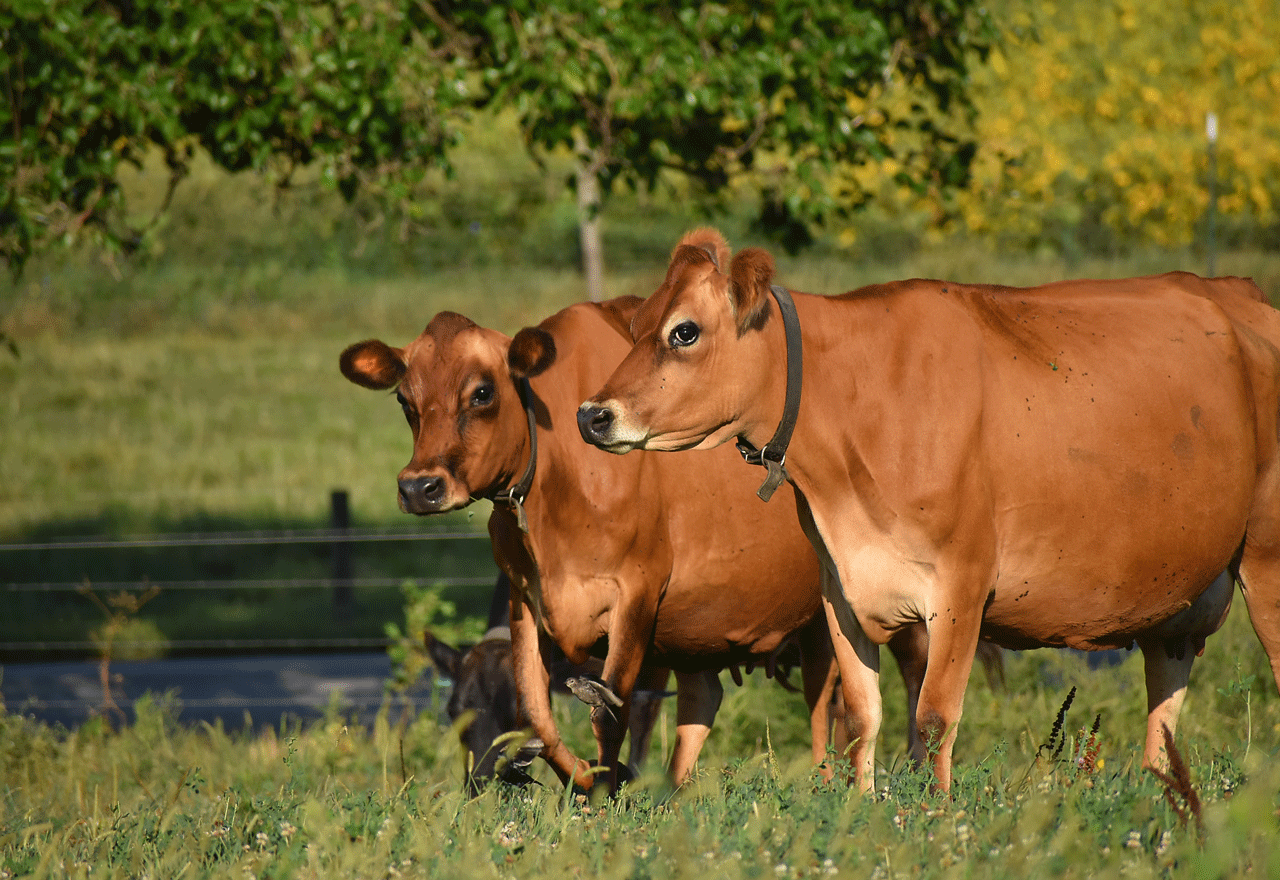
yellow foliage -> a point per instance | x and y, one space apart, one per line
1095 111
1097 108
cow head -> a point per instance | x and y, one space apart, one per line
687 382
458 393
483 703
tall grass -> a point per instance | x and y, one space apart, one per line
334 799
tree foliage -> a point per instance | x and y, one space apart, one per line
268 86
1092 121
712 90
365 89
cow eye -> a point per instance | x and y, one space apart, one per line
405 407
685 333
483 395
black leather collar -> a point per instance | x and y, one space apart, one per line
514 496
773 456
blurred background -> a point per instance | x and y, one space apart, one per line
202 206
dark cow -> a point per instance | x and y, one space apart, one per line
483 685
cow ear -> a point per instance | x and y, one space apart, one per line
447 658
750 276
531 352
373 364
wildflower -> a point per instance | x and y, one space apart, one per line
287 830
829 867
218 830
509 835
1133 841
262 839
1165 840
780 869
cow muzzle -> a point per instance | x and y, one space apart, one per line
422 494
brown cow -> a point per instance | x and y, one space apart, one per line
651 558
1072 464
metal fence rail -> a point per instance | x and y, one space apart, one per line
340 538
245 584
241 539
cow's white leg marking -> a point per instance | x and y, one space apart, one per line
1166 689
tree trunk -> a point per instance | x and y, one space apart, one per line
588 186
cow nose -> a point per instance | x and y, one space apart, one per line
421 494
595 423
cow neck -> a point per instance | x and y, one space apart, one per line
773 455
514 496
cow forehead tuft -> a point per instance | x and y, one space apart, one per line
446 325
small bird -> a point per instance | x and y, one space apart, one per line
595 693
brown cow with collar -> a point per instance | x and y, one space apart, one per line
1072 464
650 558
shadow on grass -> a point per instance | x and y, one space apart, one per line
226 591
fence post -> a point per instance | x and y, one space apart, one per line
1211 134
344 599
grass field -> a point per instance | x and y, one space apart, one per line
336 800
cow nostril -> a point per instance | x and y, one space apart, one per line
601 422
432 488
419 493
595 423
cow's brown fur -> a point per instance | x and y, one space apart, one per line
1073 464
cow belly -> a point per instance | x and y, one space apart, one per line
1119 491
733 624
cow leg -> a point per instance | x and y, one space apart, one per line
533 699
819 674
1167 672
629 636
953 645
698 696
859 661
1259 574
646 703
910 647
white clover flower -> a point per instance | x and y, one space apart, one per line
509 835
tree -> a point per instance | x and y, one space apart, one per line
712 90
268 86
